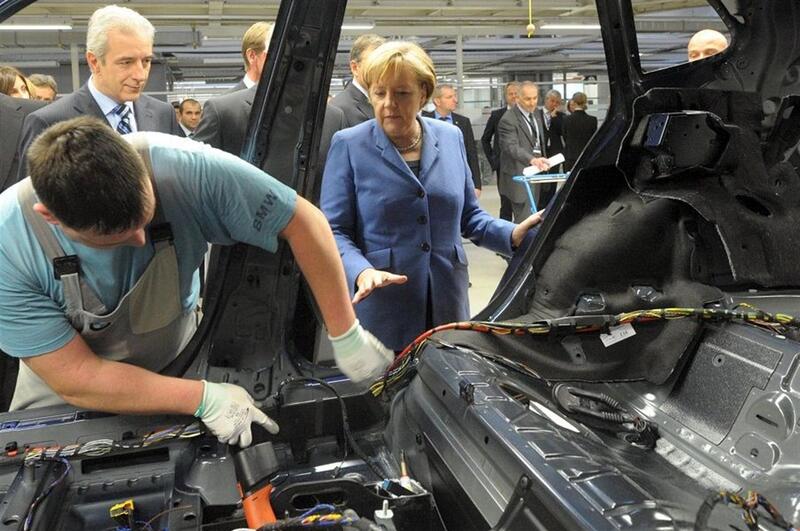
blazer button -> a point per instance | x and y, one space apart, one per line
422 220
425 247
420 193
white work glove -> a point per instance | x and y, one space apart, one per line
360 356
228 410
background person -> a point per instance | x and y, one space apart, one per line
579 127
354 100
553 120
189 113
706 43
491 144
13 83
522 141
445 100
399 197
119 51
255 45
44 86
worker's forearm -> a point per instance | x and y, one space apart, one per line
122 388
314 248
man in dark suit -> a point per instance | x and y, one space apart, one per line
119 50
522 144
12 112
224 123
491 144
255 45
445 98
189 115
354 100
553 119
578 130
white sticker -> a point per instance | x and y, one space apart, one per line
617 333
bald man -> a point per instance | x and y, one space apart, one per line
706 43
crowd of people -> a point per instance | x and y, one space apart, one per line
113 197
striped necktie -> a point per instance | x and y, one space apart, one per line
124 125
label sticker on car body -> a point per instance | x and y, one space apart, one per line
617 333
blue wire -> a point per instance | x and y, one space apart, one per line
67 467
317 508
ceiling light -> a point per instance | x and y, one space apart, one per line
24 65
570 26
358 25
35 27
233 60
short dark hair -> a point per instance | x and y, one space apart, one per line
188 100
89 176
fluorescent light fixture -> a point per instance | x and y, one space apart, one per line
570 26
23 65
222 60
35 27
358 25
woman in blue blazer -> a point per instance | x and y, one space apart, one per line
398 194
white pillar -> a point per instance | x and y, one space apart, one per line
75 63
460 62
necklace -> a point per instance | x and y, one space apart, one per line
414 143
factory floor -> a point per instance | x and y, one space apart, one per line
485 267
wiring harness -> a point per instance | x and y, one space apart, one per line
96 448
744 313
321 515
749 505
100 447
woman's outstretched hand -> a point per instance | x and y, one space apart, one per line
371 279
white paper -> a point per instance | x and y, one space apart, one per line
555 160
617 333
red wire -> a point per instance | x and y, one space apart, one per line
428 333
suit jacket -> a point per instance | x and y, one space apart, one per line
150 114
224 120
12 113
579 127
517 145
463 123
489 139
237 87
224 125
354 104
384 217
553 135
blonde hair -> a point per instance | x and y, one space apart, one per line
256 38
394 56
437 91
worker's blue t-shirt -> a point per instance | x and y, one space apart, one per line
207 195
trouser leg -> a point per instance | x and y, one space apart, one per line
521 211
506 212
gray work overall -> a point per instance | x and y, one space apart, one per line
148 328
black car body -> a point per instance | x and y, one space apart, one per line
675 237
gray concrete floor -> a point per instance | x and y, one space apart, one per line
485 267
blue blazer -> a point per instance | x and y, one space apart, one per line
386 218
